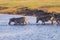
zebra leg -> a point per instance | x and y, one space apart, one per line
52 22
9 23
37 21
58 21
43 22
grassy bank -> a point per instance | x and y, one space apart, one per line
28 3
47 5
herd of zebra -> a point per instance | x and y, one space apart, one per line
39 14
43 17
